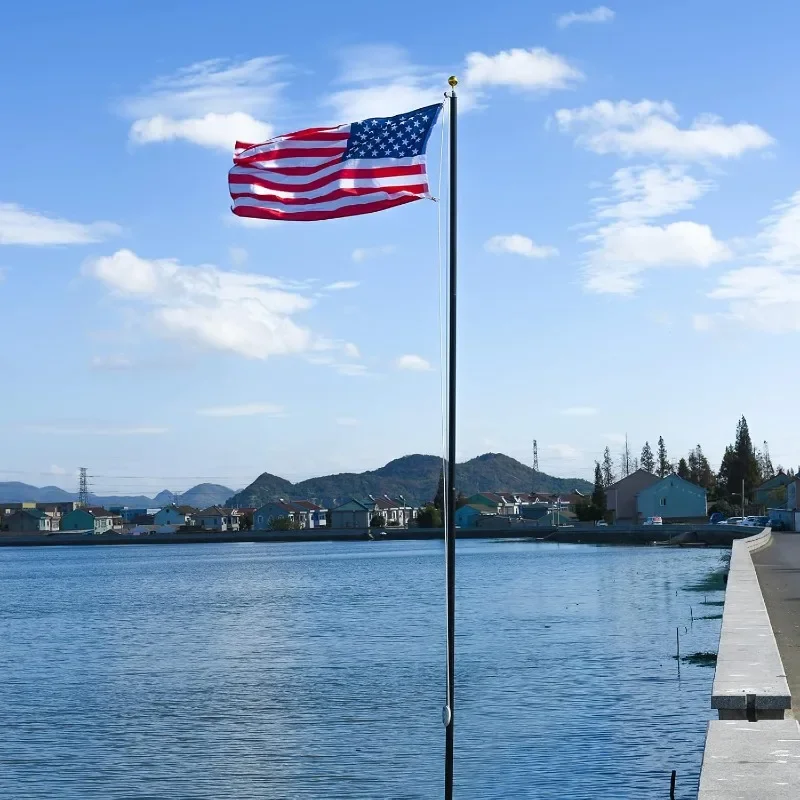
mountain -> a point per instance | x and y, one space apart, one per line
414 477
200 496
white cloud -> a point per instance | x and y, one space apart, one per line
649 128
536 69
210 130
347 422
363 253
111 362
765 296
98 430
339 286
211 103
519 245
599 14
351 350
579 411
56 470
625 250
646 192
244 410
564 452
413 362
21 227
244 313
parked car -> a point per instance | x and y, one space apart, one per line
777 524
716 518
601 523
653 521
757 522
734 521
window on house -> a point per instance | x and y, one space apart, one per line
663 501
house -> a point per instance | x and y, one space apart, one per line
30 520
317 515
218 519
621 496
774 492
467 516
171 515
269 513
504 505
128 513
351 514
396 513
94 519
674 500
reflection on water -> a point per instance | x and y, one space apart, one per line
289 671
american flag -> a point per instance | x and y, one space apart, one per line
324 173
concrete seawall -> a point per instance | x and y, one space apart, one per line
753 749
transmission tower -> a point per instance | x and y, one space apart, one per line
83 489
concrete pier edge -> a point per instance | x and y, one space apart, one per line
753 750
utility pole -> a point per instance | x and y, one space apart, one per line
535 465
742 498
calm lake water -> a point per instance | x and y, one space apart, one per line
289 671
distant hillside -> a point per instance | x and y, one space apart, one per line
414 477
200 496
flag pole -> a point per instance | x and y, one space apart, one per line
450 481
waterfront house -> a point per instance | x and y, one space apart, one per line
494 503
265 517
317 515
30 520
621 496
396 513
674 500
352 514
774 492
171 515
218 519
94 519
467 516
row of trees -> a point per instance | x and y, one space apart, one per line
742 465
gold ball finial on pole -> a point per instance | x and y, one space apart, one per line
452 80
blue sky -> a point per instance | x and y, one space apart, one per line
630 238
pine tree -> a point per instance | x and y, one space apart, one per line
739 463
608 468
683 470
765 464
599 493
625 460
647 462
664 466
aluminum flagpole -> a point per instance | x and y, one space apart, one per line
450 480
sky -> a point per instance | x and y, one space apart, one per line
629 238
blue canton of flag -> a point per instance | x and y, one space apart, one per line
403 136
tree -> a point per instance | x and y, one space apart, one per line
588 512
608 468
283 524
664 467
739 463
461 500
700 471
377 521
683 470
647 462
429 517
625 461
765 467
635 465
599 493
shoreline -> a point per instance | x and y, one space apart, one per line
668 535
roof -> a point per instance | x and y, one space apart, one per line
640 474
307 504
673 478
217 511
186 509
31 512
352 502
781 479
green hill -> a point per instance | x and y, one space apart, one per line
414 477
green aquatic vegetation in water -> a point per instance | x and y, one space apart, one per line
700 659
713 602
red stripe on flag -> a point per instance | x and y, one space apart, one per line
314 216
239 178
336 194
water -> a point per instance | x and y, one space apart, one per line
216 672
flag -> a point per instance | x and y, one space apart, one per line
324 173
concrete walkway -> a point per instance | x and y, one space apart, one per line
778 569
